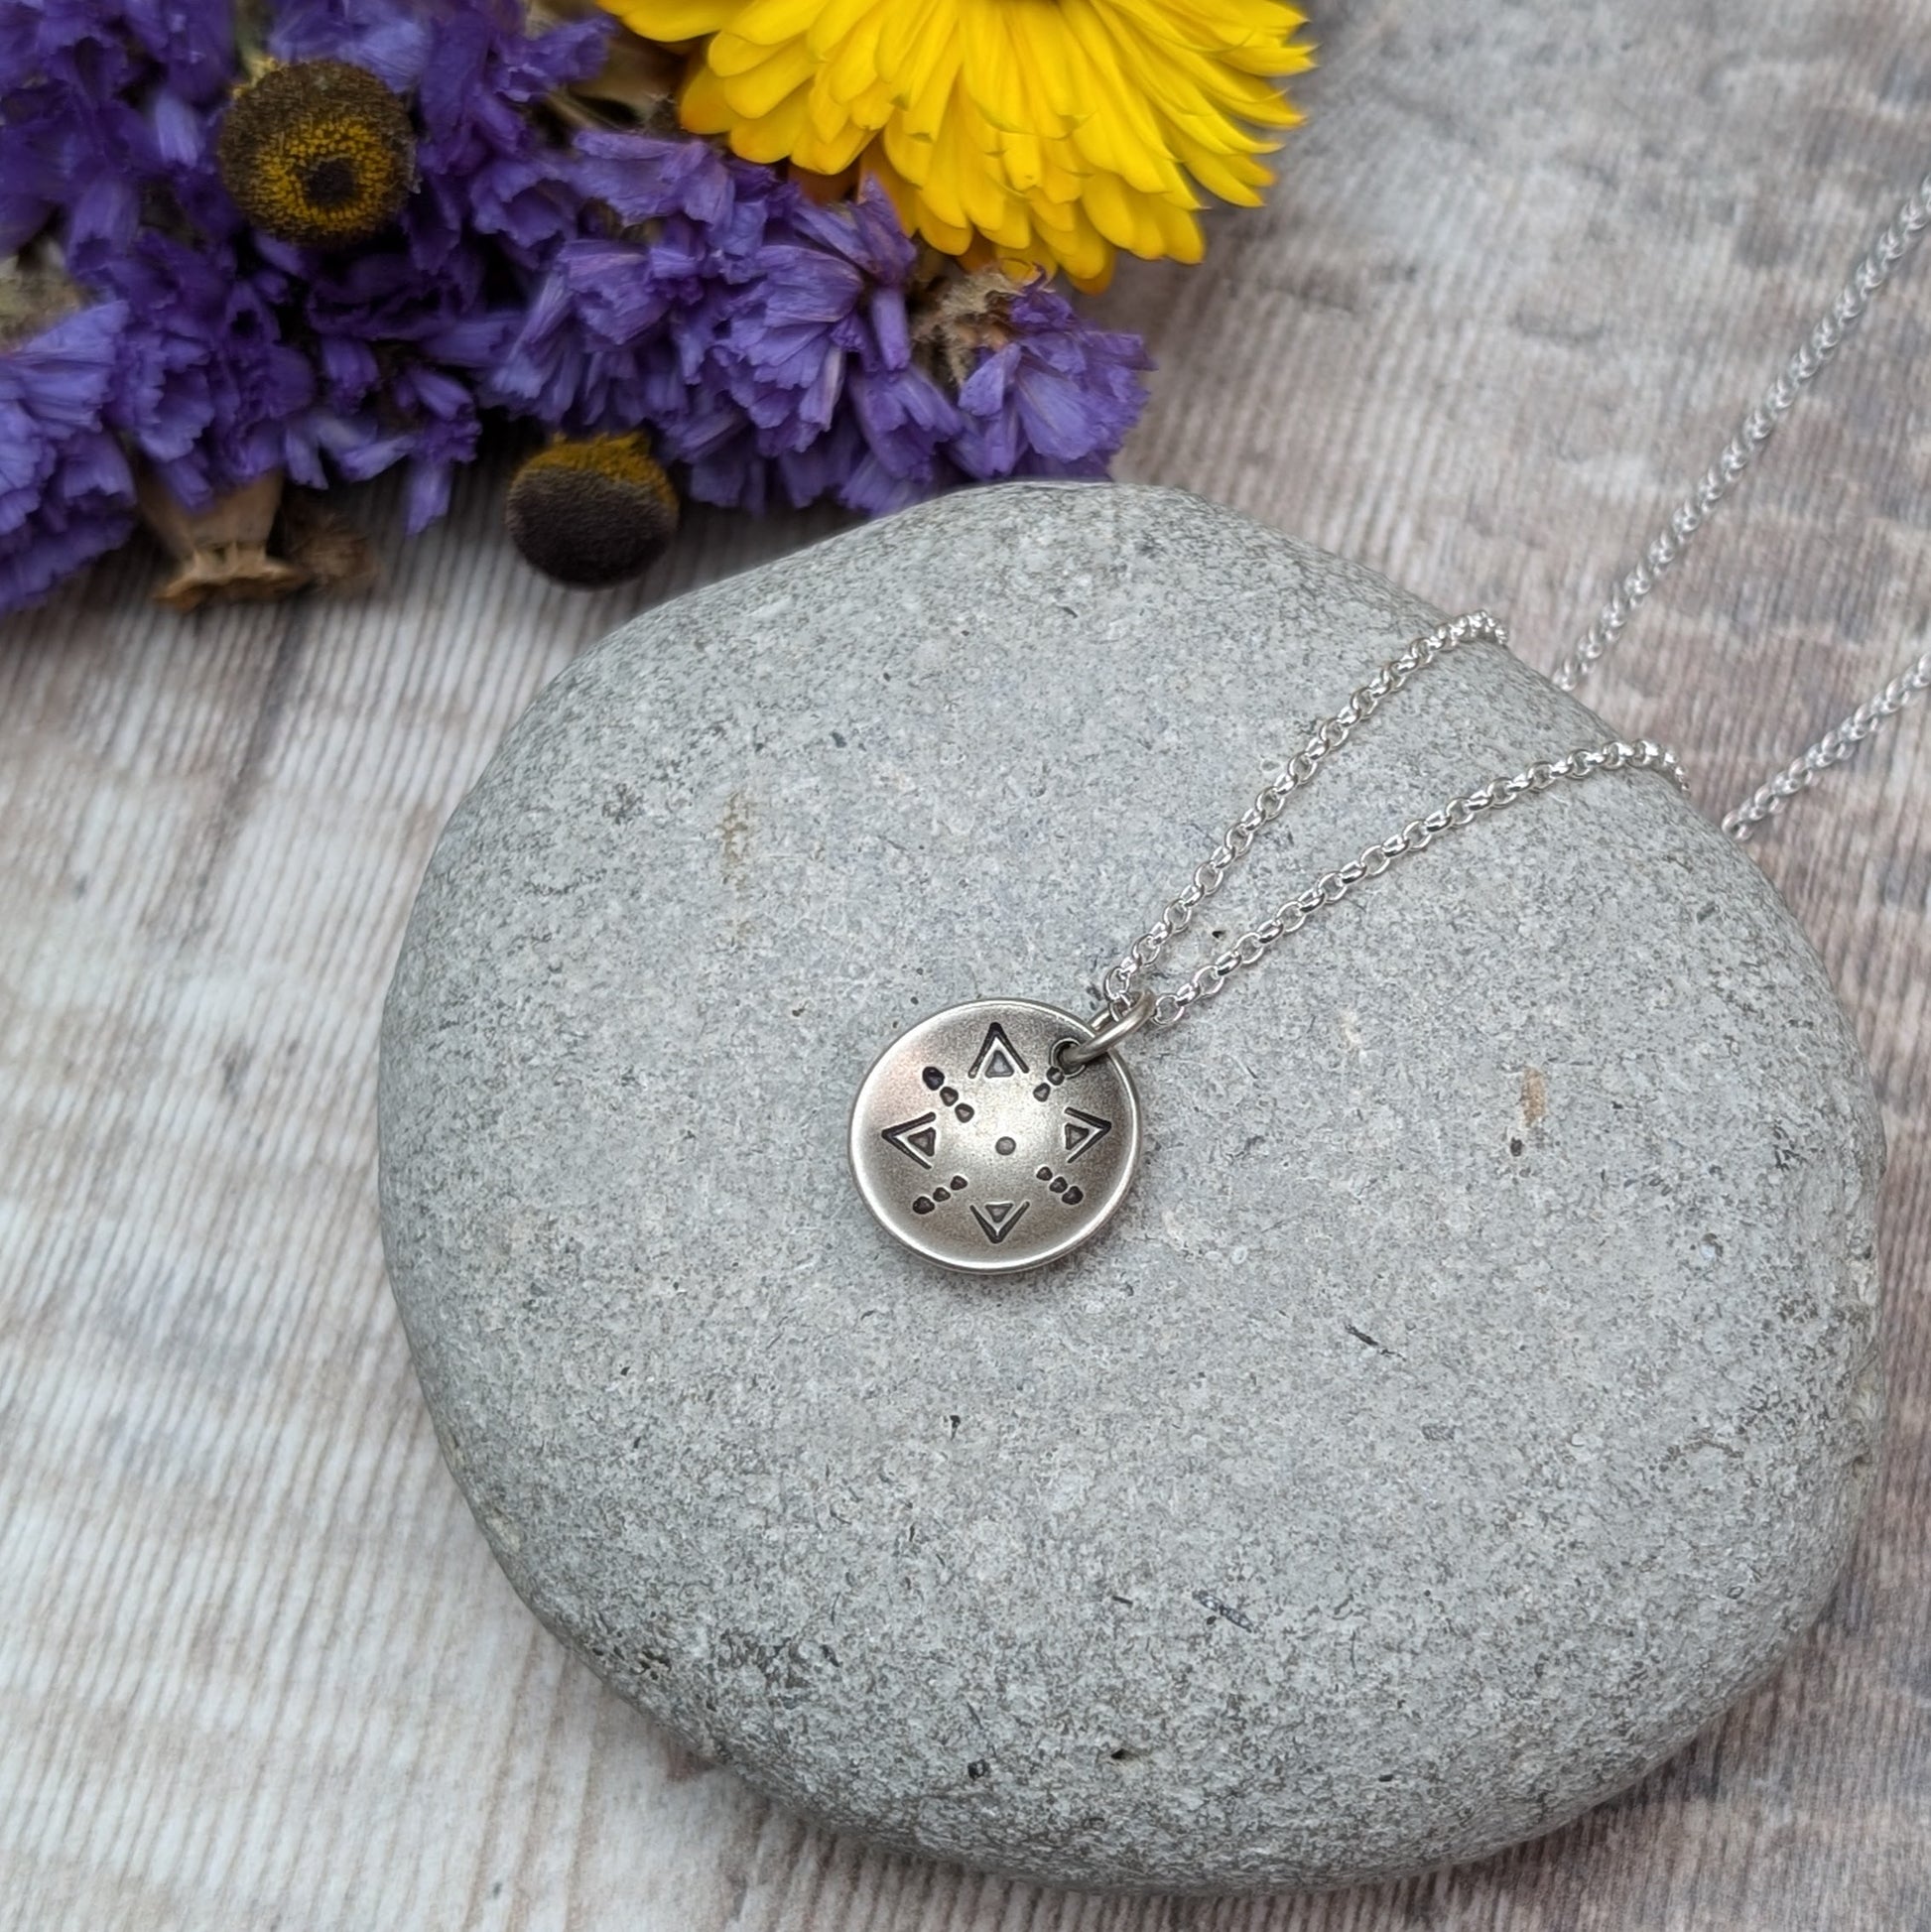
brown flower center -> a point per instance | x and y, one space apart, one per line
318 152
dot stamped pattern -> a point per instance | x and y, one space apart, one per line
974 1146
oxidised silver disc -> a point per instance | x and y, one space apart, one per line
978 1151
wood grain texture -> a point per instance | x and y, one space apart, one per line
256 1666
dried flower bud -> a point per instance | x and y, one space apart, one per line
33 296
959 317
318 152
592 512
222 546
318 539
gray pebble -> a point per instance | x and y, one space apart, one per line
1477 1392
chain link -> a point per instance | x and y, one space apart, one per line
1117 985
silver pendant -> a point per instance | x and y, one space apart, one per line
980 1141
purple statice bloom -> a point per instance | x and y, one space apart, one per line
630 314
63 72
480 148
400 354
819 357
422 415
65 493
761 336
829 287
32 180
392 41
190 42
98 100
615 329
648 177
571 364
210 392
1057 399
904 420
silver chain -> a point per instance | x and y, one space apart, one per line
1131 1005
1891 247
1840 742
1896 240
1117 986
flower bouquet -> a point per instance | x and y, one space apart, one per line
740 251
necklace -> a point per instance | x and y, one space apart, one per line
1003 1133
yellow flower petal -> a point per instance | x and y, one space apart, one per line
672 20
1114 212
754 91
851 65
1180 236
771 23
832 149
772 137
834 22
701 107
1233 177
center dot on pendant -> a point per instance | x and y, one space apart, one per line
1005 1144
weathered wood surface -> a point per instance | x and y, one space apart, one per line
256 1666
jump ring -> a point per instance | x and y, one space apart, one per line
1108 1031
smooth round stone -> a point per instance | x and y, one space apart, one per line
1476 1392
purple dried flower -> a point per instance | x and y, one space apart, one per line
99 98
559 368
823 278
623 327
191 41
393 42
819 357
642 177
65 493
211 394
1057 398
766 341
906 422
762 336
480 146
122 98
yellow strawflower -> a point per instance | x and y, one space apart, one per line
1056 130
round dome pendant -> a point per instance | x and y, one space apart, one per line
979 1146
